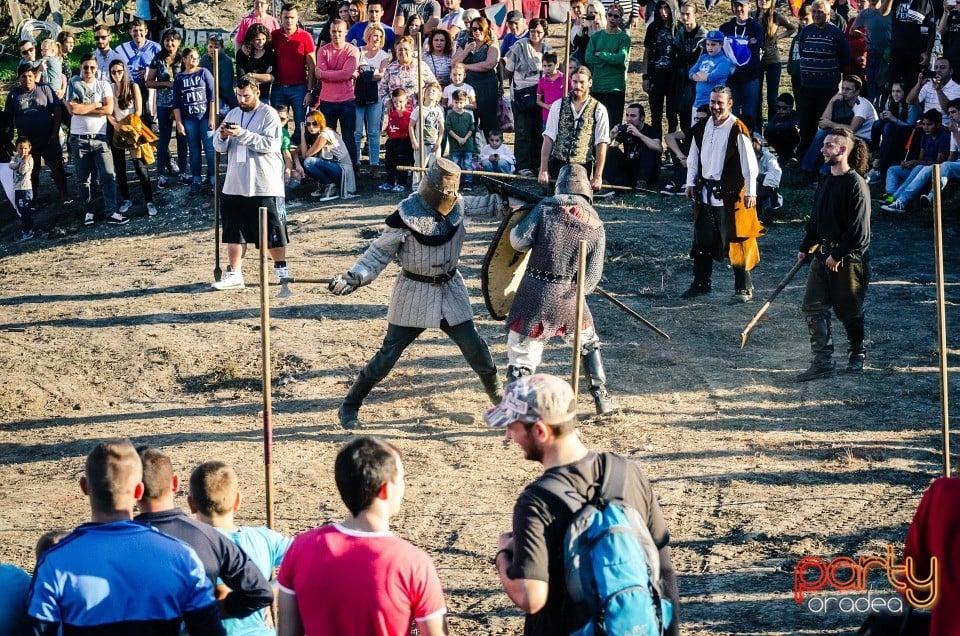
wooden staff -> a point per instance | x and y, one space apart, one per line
500 175
578 327
420 98
566 57
217 272
941 318
265 354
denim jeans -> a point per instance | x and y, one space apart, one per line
323 171
746 100
93 152
897 175
292 96
502 165
198 134
346 114
919 180
369 118
165 127
813 159
465 161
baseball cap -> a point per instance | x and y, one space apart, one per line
515 16
715 36
534 397
27 65
743 2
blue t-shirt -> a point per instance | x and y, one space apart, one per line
193 93
933 145
266 549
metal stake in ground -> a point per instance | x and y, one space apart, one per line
776 292
941 318
265 355
217 272
578 326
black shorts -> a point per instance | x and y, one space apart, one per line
241 220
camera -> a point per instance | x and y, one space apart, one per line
928 74
591 17
232 125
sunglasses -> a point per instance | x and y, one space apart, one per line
27 51
476 28
116 71
613 15
311 124
88 68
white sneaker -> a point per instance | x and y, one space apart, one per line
88 218
152 209
330 194
350 195
125 206
282 273
231 280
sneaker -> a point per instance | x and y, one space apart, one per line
69 203
319 192
231 280
742 296
398 188
331 193
174 168
672 190
282 273
926 200
888 198
895 207
88 218
26 236
152 209
117 219
185 179
125 206
162 182
385 187
350 195
526 172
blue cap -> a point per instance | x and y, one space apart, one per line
715 36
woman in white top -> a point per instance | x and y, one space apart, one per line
127 100
373 62
325 159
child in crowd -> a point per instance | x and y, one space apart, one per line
495 157
432 115
292 170
679 145
398 151
550 86
572 65
22 165
769 199
214 498
52 58
458 73
711 70
461 135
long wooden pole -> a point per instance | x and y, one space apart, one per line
941 318
520 177
566 55
578 327
217 271
265 357
422 159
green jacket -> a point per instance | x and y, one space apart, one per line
608 56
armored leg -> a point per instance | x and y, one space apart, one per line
821 344
596 378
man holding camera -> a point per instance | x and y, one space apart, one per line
934 89
633 158
250 137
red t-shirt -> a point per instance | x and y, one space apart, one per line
933 533
292 52
398 123
350 582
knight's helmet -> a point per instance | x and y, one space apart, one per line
573 179
439 186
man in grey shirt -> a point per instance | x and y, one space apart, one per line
250 135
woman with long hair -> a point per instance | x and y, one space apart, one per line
325 159
890 133
776 27
524 66
438 55
373 63
607 56
127 100
659 56
67 42
257 59
195 114
414 28
480 57
163 69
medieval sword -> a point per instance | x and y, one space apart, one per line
776 292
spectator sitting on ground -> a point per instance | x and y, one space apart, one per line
249 590
937 145
633 157
326 160
679 145
495 156
356 577
13 606
935 91
214 498
845 110
292 170
888 141
783 129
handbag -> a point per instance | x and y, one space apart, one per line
504 114
365 88
525 99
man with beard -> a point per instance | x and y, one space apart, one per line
425 235
722 176
539 413
634 152
838 233
545 304
250 137
577 131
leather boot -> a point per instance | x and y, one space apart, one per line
822 346
350 408
856 353
702 272
493 387
597 380
514 373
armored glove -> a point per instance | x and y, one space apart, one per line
344 284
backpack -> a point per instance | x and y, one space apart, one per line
611 563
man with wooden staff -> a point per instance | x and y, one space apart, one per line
546 301
425 235
722 184
838 233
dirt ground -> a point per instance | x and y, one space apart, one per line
115 332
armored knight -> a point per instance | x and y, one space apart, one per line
546 301
425 235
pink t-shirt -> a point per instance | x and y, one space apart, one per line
249 20
350 582
552 90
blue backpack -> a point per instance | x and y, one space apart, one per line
611 563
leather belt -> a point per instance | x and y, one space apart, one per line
439 279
